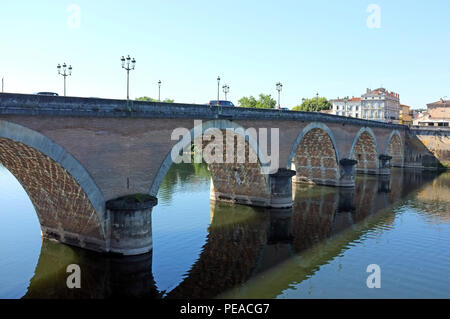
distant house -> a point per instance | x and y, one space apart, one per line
350 107
437 114
381 105
377 105
406 115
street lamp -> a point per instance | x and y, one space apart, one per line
159 90
317 100
218 86
128 64
279 87
226 89
64 71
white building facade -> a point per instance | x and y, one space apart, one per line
380 105
350 107
376 105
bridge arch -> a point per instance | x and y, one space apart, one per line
69 205
316 164
365 151
395 148
243 176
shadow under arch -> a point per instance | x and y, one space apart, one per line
69 205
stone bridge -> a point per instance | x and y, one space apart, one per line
92 167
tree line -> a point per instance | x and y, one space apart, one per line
266 101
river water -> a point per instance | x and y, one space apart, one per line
320 248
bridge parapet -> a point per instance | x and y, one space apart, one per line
26 104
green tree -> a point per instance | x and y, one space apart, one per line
316 104
149 99
265 101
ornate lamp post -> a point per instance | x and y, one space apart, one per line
218 89
159 90
226 89
65 72
279 87
128 64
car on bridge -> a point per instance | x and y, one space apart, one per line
220 103
47 93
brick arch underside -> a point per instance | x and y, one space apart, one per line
315 159
64 211
238 178
396 151
365 152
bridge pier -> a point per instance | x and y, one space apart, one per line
342 176
384 167
277 195
347 172
130 224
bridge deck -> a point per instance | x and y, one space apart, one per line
40 105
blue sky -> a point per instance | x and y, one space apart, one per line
310 46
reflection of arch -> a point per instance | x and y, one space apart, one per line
394 148
200 130
69 204
365 151
312 163
231 253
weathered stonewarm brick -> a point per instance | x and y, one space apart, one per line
58 199
365 152
243 178
395 150
315 159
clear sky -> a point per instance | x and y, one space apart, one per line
332 47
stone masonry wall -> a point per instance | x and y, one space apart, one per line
315 159
395 150
365 153
242 176
64 211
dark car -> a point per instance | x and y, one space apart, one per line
47 93
220 103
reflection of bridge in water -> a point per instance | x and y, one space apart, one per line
242 243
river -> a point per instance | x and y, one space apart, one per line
320 248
